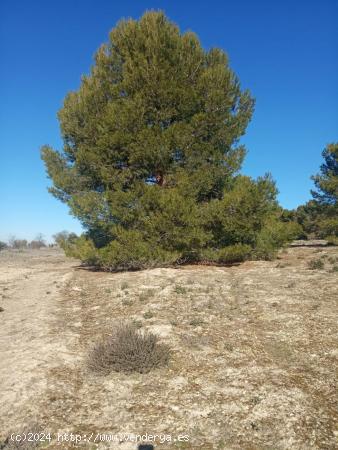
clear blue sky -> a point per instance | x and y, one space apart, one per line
285 52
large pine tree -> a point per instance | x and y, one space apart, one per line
150 158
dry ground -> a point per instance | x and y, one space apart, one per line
254 363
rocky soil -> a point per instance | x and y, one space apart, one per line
254 352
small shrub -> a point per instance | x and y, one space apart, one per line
228 255
146 295
332 240
82 248
180 289
273 236
137 323
334 269
234 254
195 342
124 286
316 264
127 302
328 227
128 350
148 315
196 322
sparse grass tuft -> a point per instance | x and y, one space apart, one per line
124 286
196 322
180 289
332 260
195 342
148 315
146 295
316 264
137 323
282 265
127 302
128 350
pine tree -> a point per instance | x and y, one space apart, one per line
326 181
151 155
325 203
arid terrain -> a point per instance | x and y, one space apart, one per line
253 364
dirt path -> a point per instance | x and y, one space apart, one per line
30 283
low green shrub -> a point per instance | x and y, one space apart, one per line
227 255
82 248
273 236
328 227
332 240
180 289
129 251
234 253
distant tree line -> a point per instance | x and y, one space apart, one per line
19 244
61 239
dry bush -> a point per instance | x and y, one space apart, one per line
315 264
127 350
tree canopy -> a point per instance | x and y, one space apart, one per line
151 153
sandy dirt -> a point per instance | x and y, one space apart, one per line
254 352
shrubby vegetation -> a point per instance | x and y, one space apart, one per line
17 243
38 242
128 349
150 163
64 238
